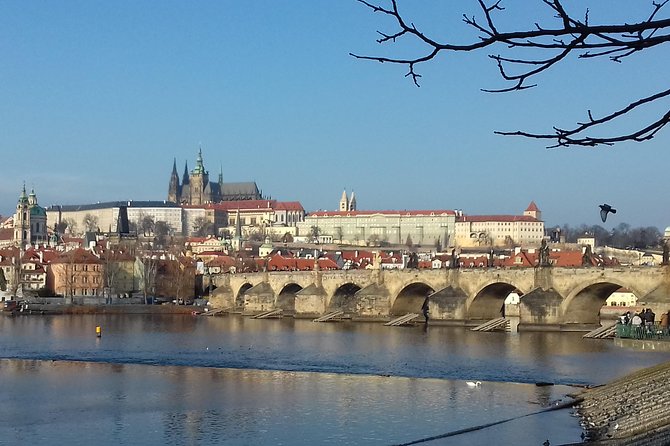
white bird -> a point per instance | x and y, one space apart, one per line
473 383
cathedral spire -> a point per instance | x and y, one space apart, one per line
199 166
221 176
174 191
185 179
174 167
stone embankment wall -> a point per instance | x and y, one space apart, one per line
633 410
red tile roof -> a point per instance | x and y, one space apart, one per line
495 218
532 207
413 213
248 205
6 234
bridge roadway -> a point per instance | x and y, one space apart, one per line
551 298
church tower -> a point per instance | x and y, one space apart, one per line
22 220
352 202
533 211
174 194
185 186
344 202
199 180
30 220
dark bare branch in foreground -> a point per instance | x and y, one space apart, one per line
570 36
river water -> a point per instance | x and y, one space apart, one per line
163 379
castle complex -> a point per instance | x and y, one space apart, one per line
195 187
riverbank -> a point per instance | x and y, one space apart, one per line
633 410
40 309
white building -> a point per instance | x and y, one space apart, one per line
105 215
396 227
500 230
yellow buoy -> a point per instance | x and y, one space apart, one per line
98 331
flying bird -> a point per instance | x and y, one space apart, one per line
604 210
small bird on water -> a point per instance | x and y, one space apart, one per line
604 210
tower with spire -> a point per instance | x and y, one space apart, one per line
30 220
347 203
174 190
533 211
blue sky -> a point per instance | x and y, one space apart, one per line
97 98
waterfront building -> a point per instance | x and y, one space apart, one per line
500 230
427 228
196 188
76 273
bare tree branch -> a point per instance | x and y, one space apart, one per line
569 36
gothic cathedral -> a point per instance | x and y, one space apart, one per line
196 189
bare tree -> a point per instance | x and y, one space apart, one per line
147 225
534 48
203 227
315 232
162 230
90 223
69 225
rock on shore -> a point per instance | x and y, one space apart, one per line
633 410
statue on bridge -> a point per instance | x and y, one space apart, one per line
544 254
454 259
587 258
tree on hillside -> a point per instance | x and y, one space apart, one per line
161 231
315 232
202 227
622 236
529 49
90 223
69 225
147 225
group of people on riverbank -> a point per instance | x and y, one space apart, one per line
645 321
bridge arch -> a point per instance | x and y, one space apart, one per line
286 297
583 305
239 296
343 297
488 301
410 299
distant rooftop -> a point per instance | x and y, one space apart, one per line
112 204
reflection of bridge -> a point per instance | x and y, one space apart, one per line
556 298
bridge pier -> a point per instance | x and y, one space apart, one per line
373 301
448 304
310 302
259 298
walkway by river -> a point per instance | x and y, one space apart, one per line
192 380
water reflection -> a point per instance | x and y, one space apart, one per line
74 402
298 345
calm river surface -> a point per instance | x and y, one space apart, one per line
195 380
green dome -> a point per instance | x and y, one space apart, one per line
38 211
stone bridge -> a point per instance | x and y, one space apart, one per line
551 298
